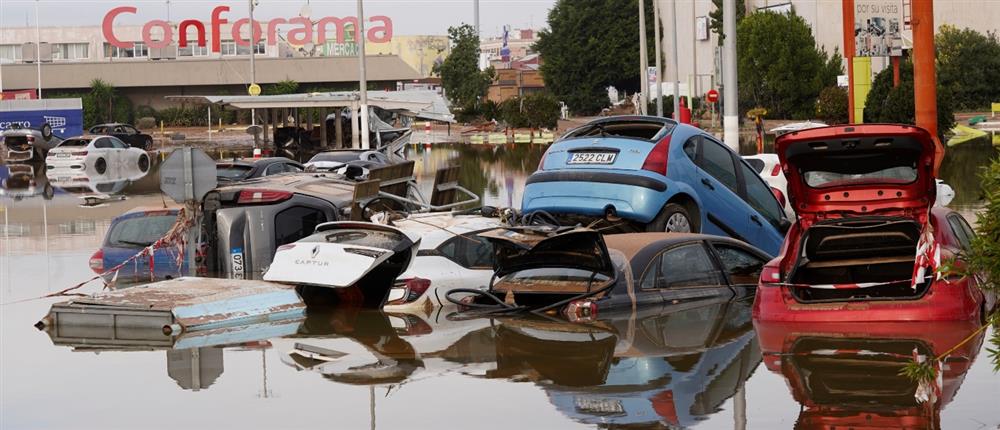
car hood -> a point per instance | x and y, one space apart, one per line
867 169
522 248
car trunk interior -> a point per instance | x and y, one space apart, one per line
854 251
537 293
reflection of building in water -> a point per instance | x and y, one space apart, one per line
196 368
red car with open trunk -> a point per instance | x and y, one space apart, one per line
866 244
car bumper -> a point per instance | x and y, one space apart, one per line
955 301
634 197
15 155
69 163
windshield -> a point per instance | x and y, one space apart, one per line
74 142
892 175
231 171
645 130
359 237
338 156
140 231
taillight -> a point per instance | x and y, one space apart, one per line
776 170
80 153
31 139
413 289
581 310
251 196
770 275
656 161
97 262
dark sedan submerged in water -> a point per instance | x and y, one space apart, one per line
578 272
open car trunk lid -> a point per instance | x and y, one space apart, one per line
876 169
524 248
343 254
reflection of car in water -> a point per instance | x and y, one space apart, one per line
88 179
673 366
26 144
845 375
18 181
867 241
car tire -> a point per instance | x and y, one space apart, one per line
147 145
143 163
101 166
673 218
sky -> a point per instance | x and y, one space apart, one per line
408 17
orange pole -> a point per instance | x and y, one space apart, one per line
895 72
848 12
924 78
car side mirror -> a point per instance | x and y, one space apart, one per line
780 196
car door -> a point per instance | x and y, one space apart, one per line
686 272
741 267
767 217
121 151
103 148
469 265
718 187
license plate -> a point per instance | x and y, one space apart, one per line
592 158
236 257
62 155
64 178
599 406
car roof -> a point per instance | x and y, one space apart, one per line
313 184
436 228
632 118
633 244
110 124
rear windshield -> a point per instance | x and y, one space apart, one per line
140 232
757 165
890 166
359 237
75 142
231 171
645 130
556 275
339 156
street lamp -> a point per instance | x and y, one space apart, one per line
359 38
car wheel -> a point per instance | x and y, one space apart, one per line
147 144
101 166
673 218
143 163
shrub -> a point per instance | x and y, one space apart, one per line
541 110
985 255
890 104
511 113
968 66
833 105
145 123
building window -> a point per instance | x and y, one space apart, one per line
70 51
192 50
230 47
138 50
10 53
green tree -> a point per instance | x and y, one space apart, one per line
890 104
461 78
286 86
780 67
968 66
833 105
591 45
716 17
104 104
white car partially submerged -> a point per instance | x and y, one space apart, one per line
96 154
409 266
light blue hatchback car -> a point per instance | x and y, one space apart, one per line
656 175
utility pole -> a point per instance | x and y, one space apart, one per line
643 59
675 64
924 78
475 13
359 38
659 56
253 72
38 51
730 114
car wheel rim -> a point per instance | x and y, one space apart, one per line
678 223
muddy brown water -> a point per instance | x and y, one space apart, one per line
701 365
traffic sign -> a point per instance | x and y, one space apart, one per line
187 175
712 96
254 90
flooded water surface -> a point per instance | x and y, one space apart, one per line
701 364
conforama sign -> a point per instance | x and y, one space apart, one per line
304 31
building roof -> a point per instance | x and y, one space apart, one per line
226 71
419 103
